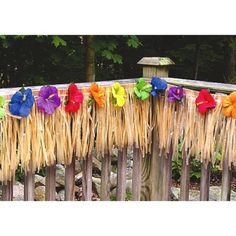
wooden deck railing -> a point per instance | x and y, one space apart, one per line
139 189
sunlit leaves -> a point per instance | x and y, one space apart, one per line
58 41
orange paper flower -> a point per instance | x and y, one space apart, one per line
229 105
98 94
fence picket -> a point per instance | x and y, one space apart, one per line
185 179
205 182
121 175
87 178
50 186
167 175
136 178
70 181
105 177
7 191
226 179
29 184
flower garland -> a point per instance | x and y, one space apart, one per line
118 95
229 105
97 95
36 138
48 99
21 103
205 101
75 99
2 107
142 89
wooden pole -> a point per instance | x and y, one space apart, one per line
152 182
136 178
121 175
87 178
205 182
29 184
105 178
226 179
50 186
185 179
7 191
70 181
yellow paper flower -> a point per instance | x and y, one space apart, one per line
118 94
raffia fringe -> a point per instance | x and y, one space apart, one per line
44 140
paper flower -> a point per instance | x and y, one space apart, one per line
175 94
2 107
118 94
205 101
21 102
229 105
97 94
142 89
48 99
158 86
75 98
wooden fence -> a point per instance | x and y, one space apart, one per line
143 179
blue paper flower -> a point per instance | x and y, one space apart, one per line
158 86
21 102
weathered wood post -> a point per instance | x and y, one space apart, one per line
29 183
7 191
152 165
226 181
50 186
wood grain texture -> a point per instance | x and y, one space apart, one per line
226 181
105 178
146 178
167 176
87 178
70 181
29 184
152 172
185 179
205 182
7 191
136 175
50 185
121 175
187 83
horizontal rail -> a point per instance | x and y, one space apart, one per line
186 83
197 85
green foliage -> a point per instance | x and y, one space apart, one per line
195 167
108 46
133 41
19 174
128 196
58 41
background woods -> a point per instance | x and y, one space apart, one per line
35 60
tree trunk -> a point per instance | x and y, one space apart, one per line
196 61
90 58
230 58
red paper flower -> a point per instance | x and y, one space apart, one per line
205 101
75 98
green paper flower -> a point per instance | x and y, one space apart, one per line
2 107
142 89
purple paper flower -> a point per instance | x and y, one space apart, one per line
175 94
48 99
